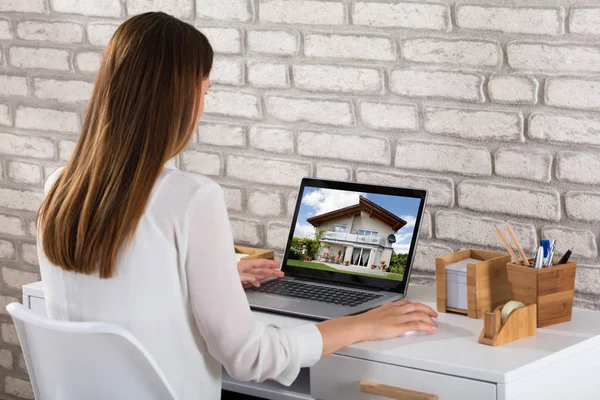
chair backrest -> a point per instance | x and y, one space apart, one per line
86 360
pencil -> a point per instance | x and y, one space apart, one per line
505 243
519 248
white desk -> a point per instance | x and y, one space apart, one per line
561 362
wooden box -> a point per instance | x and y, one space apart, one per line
487 281
551 288
249 253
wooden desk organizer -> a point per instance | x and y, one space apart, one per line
521 323
551 288
487 282
253 254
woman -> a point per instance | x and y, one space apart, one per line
124 239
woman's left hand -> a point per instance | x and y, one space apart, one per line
253 271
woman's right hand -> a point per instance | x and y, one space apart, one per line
386 322
395 319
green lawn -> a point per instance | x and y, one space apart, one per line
323 267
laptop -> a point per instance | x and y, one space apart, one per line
350 249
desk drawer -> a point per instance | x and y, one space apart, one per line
339 377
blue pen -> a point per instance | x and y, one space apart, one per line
546 246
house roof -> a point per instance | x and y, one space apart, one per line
363 205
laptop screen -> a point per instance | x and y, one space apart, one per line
355 234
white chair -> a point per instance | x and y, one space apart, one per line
86 360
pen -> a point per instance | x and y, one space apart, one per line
551 253
539 258
565 257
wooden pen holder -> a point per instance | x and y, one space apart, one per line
486 281
551 288
521 323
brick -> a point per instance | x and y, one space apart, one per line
361 47
424 259
57 32
467 52
441 190
443 157
99 34
9 334
46 119
233 104
6 358
4 301
578 167
309 12
318 111
227 71
267 171
18 387
1 172
344 147
585 20
20 199
11 225
468 123
334 173
292 202
26 146
13 85
182 9
5 115
265 203
581 242
234 197
88 61
16 278
587 279
274 42
272 138
246 231
534 20
222 134
331 78
387 116
7 250
277 235
225 10
66 149
443 84
464 228
201 162
21 362
399 14
42 58
268 75
553 57
24 172
530 164
62 91
29 6
29 253
564 129
95 8
507 89
507 199
425 230
223 40
573 93
5 30
582 206
32 228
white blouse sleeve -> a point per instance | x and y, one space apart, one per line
247 348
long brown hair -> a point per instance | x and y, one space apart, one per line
143 111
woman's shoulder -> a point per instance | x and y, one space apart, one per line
183 182
51 179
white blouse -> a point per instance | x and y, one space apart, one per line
178 291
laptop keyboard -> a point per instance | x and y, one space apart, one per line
315 292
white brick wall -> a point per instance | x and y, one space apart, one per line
490 105
58 32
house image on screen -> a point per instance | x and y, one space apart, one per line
359 234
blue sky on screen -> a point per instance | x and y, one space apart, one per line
316 201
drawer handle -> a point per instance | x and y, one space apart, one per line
394 392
